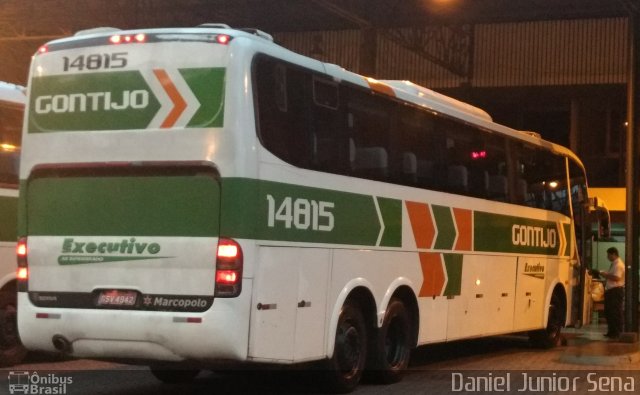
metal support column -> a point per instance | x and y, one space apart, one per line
633 171
368 52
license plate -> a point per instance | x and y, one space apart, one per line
117 298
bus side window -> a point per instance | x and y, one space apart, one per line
369 119
325 93
283 110
331 145
280 89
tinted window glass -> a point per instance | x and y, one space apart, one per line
311 121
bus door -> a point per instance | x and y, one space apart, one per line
530 292
289 304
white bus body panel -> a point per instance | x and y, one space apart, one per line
222 333
289 304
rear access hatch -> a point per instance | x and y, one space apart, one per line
126 236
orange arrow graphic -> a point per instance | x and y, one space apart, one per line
464 222
422 224
179 104
432 274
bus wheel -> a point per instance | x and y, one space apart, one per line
173 376
346 366
12 351
392 347
550 336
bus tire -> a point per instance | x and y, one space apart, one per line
173 376
12 351
551 336
392 345
344 369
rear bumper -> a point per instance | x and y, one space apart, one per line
222 333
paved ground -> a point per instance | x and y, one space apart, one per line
588 364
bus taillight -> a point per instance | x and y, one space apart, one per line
223 39
228 269
22 273
128 38
21 249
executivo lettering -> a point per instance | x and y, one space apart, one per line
534 236
125 246
77 252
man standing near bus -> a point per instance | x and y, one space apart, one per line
614 293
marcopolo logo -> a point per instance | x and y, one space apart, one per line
82 251
175 302
34 384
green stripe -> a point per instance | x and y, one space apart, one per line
189 206
51 102
8 218
391 210
453 264
207 84
117 100
495 233
355 219
445 226
123 206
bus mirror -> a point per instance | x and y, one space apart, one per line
600 212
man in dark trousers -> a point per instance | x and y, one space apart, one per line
614 293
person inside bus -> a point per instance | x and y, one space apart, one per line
614 293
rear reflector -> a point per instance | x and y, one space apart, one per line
188 320
48 316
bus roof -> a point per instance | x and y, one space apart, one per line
12 93
404 90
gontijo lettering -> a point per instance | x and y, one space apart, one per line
533 236
92 101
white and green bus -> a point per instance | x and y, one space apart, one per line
12 101
195 195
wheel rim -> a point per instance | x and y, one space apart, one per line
395 344
554 325
349 350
